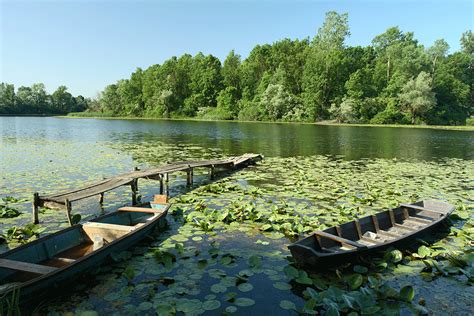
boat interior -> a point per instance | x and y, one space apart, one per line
374 230
58 250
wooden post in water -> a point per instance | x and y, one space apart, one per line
101 199
167 184
212 172
189 178
35 208
134 187
68 211
161 183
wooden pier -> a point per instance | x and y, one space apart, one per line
63 200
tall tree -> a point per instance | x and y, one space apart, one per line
322 80
7 98
417 96
62 101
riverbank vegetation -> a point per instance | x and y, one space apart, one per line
394 80
36 100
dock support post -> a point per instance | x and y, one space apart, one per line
134 186
189 180
68 211
167 184
212 172
101 199
35 207
161 183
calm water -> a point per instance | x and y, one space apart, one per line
52 154
233 138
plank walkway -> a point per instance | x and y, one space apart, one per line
64 199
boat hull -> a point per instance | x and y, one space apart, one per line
45 285
308 256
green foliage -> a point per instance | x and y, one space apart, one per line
417 96
23 234
395 80
7 211
35 100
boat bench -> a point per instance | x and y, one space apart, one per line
26 266
107 232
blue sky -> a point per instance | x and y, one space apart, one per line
86 45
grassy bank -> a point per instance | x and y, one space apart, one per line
111 116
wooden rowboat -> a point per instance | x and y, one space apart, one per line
371 233
43 265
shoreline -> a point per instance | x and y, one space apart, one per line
323 123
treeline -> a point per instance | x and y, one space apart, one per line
35 100
394 80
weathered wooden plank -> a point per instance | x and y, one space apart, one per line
139 209
64 199
26 266
105 231
339 239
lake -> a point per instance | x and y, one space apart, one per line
317 175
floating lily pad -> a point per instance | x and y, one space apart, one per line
211 305
288 305
243 301
245 287
282 286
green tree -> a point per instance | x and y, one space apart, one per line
227 102
467 42
62 101
275 102
231 72
322 80
7 98
417 96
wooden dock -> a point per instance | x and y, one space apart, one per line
63 200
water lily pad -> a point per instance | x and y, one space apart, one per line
231 309
211 305
243 302
288 305
282 286
355 281
218 288
407 293
245 287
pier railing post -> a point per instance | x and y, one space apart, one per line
134 186
68 211
189 172
35 208
161 183
167 184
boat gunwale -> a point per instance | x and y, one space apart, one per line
89 255
320 254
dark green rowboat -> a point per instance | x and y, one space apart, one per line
40 267
396 226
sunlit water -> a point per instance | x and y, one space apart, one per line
316 167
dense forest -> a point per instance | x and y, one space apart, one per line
394 80
35 100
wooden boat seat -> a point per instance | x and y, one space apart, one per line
421 208
418 220
65 260
140 209
26 266
339 239
108 232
